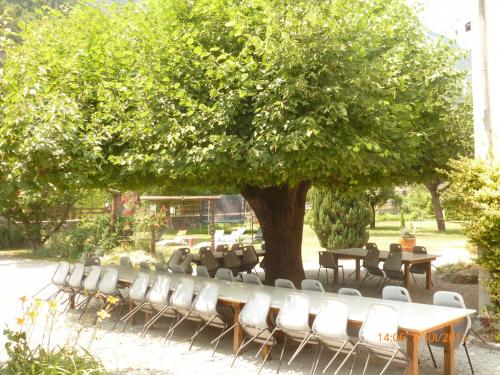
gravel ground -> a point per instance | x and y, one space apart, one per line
126 353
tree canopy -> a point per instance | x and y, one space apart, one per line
262 96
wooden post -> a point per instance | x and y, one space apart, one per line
153 230
211 221
412 342
116 209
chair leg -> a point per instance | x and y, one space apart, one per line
326 270
468 358
389 362
335 356
301 346
41 290
282 352
85 307
199 330
119 314
317 356
356 356
343 275
366 363
414 279
224 333
217 342
344 361
363 281
266 342
245 344
242 345
151 321
171 330
265 359
317 276
432 355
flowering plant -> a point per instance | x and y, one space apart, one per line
408 231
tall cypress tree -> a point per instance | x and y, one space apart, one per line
340 219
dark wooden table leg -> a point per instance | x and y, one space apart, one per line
412 342
72 301
358 269
406 275
449 350
335 270
428 276
238 331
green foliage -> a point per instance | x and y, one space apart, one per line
24 360
271 92
417 203
339 218
475 192
91 234
11 236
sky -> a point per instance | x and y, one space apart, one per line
447 17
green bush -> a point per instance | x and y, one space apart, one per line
11 237
474 191
417 204
90 234
339 219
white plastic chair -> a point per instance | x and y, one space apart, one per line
331 333
157 299
250 278
378 335
181 303
74 284
137 295
253 321
178 269
202 271
461 328
350 292
205 308
224 274
125 262
396 293
144 266
59 279
309 284
90 287
284 283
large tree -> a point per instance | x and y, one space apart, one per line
265 97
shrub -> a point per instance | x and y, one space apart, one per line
11 237
474 191
340 219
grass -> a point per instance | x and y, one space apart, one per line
384 234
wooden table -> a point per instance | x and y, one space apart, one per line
409 258
414 319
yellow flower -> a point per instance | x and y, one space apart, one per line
23 299
112 300
52 306
38 303
20 321
32 314
103 314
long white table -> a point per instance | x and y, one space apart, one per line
414 319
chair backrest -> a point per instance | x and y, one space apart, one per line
236 246
204 248
61 274
310 284
184 250
144 266
222 248
394 261
284 283
177 268
160 267
224 274
452 299
380 326
231 260
419 250
395 247
202 271
92 280
92 261
249 255
126 262
176 258
207 259
294 314
250 278
396 293
325 326
76 276
183 293
206 300
158 293
186 264
350 292
372 255
139 287
326 259
109 282
254 313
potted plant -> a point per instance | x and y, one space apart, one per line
407 237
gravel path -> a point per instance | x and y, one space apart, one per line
126 353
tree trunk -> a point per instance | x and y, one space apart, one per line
280 210
116 209
372 221
436 204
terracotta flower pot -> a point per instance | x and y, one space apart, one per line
407 243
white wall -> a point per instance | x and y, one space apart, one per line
486 79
